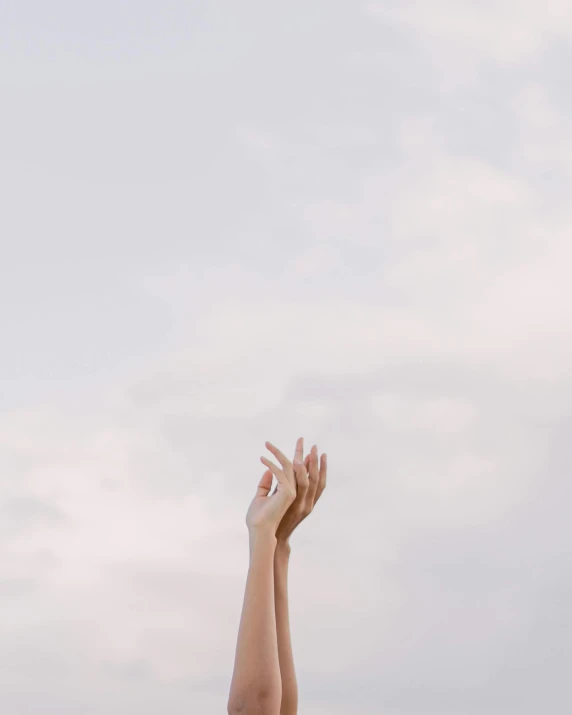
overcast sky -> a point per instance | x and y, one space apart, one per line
230 222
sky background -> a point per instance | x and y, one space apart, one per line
230 222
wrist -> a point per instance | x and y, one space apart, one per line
260 535
283 546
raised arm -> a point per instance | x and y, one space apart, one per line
310 483
264 681
256 686
289 704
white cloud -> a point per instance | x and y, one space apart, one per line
387 278
438 415
503 31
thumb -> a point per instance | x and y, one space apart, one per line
265 484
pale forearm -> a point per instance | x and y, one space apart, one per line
289 705
256 684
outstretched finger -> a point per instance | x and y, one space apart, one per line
323 476
284 461
265 484
301 473
278 473
299 453
313 464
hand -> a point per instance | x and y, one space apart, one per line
266 512
311 482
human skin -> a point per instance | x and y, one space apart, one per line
264 679
256 685
311 482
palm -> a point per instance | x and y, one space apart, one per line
306 498
263 508
289 522
266 509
